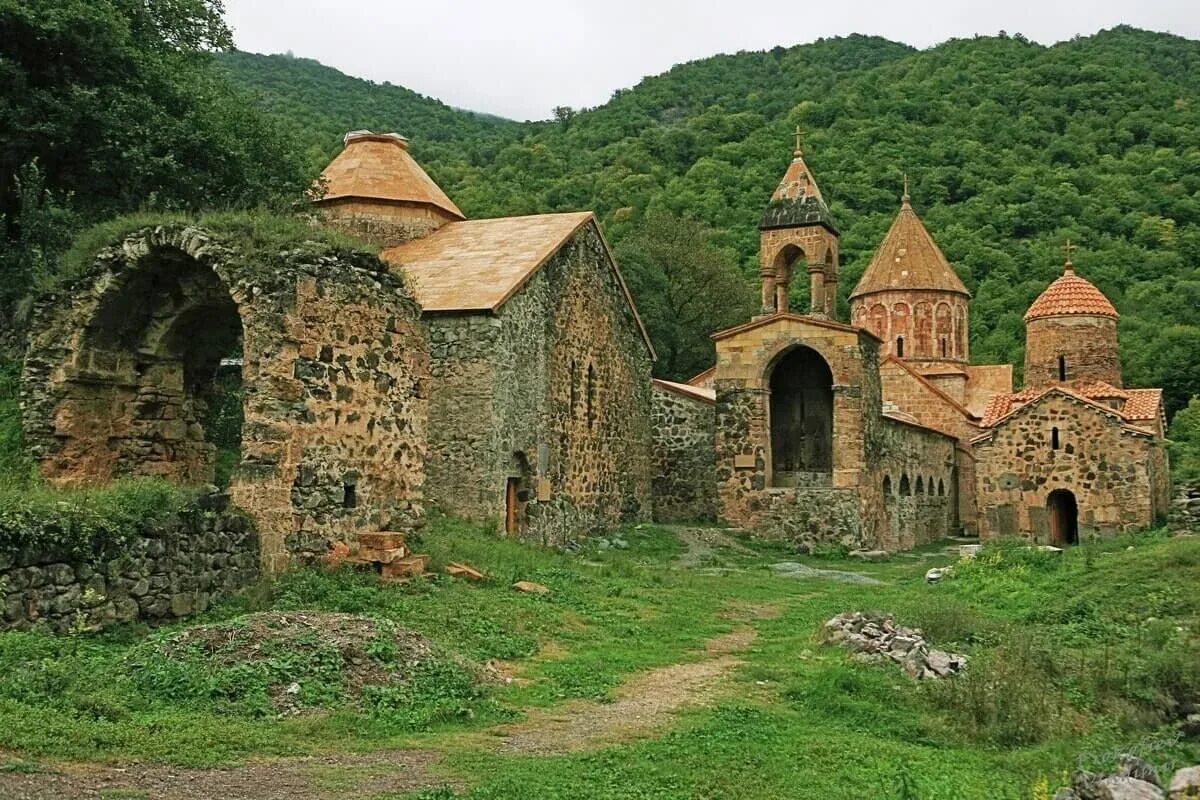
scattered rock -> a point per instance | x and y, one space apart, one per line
1120 787
869 555
1131 766
529 587
794 569
937 573
456 570
874 637
969 550
1185 785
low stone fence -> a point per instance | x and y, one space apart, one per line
174 567
1185 508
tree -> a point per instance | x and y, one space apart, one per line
1185 441
686 288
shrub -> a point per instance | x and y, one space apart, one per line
85 523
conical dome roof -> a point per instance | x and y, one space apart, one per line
797 200
1071 295
908 258
378 166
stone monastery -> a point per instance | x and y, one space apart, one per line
498 369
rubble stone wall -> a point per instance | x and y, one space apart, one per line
173 568
684 478
925 462
334 374
1112 471
551 392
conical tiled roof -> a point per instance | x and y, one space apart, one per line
797 199
1071 295
908 258
377 166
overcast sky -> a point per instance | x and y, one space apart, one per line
521 58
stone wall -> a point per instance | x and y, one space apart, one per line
552 394
1113 471
383 223
1185 508
684 479
173 568
335 366
1088 346
917 472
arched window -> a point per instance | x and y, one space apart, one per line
887 485
900 347
801 415
1062 368
920 485
943 346
941 488
905 488
1054 441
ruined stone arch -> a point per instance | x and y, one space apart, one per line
332 359
801 415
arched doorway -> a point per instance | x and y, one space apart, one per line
1064 517
801 417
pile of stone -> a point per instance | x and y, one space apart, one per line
875 638
388 552
1134 779
1185 509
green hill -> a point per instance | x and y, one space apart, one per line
1011 147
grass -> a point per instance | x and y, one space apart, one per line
1073 657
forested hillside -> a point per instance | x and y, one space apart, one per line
1011 147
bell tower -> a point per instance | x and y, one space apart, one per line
797 235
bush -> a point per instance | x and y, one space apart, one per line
85 523
1007 697
15 468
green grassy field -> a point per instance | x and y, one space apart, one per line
1074 658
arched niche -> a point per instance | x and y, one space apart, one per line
801 385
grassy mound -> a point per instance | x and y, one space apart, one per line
292 662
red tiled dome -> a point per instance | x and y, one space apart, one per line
1071 295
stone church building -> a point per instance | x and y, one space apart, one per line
539 377
881 433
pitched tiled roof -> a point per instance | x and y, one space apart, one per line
687 390
909 258
1071 295
478 264
1139 406
378 167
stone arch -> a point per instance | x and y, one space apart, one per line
920 485
801 420
878 324
923 330
900 335
944 331
1063 511
905 486
331 359
960 332
783 267
941 488
887 485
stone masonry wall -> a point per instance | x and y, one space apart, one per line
334 380
684 479
172 569
923 461
553 392
1088 346
1111 470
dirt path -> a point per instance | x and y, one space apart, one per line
642 705
333 777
